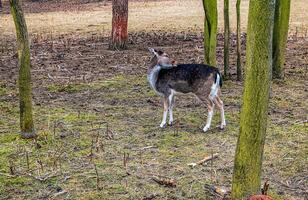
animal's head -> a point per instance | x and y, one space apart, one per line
160 58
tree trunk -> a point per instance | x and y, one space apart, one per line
0 3
253 119
280 36
238 41
226 40
119 24
24 80
210 31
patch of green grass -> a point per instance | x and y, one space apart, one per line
110 84
135 121
7 138
15 182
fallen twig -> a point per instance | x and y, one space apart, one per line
206 159
168 182
216 191
59 193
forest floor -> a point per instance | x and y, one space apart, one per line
92 106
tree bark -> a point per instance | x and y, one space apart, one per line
24 79
226 40
119 33
210 31
238 41
253 119
281 26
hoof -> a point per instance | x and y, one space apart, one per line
170 123
162 125
205 129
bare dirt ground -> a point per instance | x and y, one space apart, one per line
93 105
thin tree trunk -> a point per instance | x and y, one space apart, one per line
253 119
210 31
238 41
226 40
281 26
24 80
119 25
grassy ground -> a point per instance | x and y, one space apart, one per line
93 105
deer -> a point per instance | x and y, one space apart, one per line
167 78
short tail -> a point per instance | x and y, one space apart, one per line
218 79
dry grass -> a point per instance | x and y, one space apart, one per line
177 15
90 85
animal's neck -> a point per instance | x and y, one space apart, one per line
153 63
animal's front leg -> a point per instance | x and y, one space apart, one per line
166 105
171 103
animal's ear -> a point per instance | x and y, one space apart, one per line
153 51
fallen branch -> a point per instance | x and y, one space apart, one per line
168 182
59 193
44 177
216 191
204 160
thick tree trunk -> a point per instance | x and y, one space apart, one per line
253 120
238 41
24 81
119 25
281 26
226 40
210 31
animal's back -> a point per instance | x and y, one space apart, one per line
185 78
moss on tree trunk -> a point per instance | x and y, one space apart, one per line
226 40
210 31
280 36
253 119
24 79
119 25
239 75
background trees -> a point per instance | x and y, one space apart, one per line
253 119
210 31
119 24
24 80
280 35
238 41
226 39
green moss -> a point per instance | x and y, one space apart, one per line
280 36
253 119
210 31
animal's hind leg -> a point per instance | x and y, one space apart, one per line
166 106
210 106
218 102
171 104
